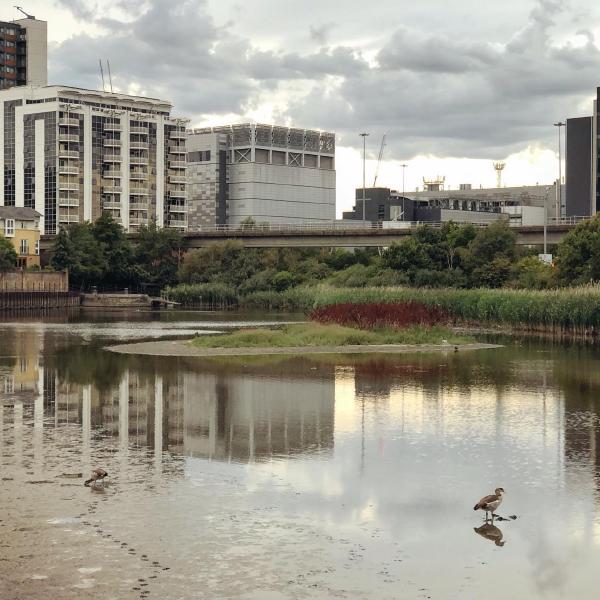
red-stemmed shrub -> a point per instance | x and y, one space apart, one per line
380 314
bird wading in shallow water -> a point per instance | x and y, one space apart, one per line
490 503
98 476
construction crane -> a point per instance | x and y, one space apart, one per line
26 14
379 160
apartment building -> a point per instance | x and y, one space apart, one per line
23 53
22 227
268 173
72 153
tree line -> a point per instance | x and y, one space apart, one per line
460 256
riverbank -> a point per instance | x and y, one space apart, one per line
574 311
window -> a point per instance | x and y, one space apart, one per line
9 228
37 247
24 247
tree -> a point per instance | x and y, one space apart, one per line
8 256
531 273
578 255
77 250
456 236
116 250
158 254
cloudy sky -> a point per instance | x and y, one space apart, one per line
453 85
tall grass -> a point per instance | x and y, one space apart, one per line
214 295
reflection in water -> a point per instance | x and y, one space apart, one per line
491 532
301 477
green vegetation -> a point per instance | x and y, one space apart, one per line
8 256
313 334
101 254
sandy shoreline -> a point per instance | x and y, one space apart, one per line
183 348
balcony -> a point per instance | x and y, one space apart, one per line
64 153
112 158
112 126
64 201
177 164
177 135
67 137
136 221
138 191
68 170
139 145
177 179
112 174
68 122
181 223
138 130
111 205
68 186
111 189
112 143
139 206
174 193
68 218
138 175
173 208
179 149
138 160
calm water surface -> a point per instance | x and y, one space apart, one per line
293 477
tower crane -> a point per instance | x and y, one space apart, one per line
20 9
379 160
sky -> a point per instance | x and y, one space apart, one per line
454 85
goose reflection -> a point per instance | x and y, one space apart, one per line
490 532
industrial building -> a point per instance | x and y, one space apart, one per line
526 205
71 153
266 173
23 52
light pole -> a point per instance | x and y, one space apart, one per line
559 185
364 137
403 165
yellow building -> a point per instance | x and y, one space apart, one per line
22 227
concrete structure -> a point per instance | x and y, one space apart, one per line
465 205
32 281
266 173
23 53
72 153
22 227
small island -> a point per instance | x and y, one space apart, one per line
340 329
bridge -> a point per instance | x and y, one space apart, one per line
341 235
345 236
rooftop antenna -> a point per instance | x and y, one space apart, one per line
101 74
26 14
109 75
499 167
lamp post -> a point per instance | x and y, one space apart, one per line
403 166
559 185
364 137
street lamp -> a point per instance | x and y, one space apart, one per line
364 137
403 166
559 186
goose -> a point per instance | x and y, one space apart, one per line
490 503
97 476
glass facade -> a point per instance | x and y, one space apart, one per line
50 161
9 151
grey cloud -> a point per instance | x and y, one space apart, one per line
438 94
321 33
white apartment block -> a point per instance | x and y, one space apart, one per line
272 174
71 154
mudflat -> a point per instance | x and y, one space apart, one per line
184 348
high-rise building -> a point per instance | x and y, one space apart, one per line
23 53
266 173
72 153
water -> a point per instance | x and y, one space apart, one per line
292 477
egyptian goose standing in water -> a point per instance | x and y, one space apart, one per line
98 475
490 503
